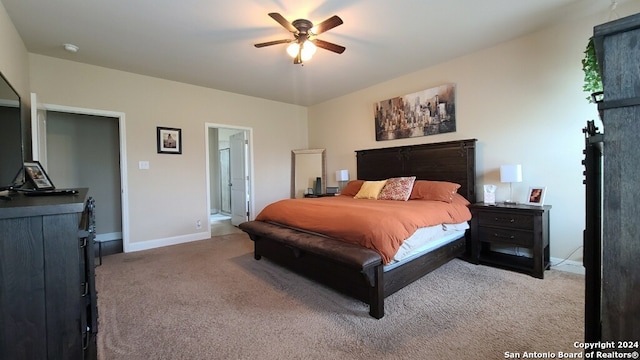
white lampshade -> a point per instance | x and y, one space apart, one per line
342 175
511 173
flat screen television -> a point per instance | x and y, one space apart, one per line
11 150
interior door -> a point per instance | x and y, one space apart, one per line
225 182
239 178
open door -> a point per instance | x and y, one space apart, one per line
239 178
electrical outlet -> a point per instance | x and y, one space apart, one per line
198 224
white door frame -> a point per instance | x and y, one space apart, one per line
249 158
40 150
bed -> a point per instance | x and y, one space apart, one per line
362 272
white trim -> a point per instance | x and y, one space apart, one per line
124 184
567 265
108 236
249 132
175 240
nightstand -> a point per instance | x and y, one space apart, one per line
511 226
317 195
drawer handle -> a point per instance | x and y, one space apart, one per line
510 237
511 220
85 339
85 287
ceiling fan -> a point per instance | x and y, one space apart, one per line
305 40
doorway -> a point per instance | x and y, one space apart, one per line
85 148
229 181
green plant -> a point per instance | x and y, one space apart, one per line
592 80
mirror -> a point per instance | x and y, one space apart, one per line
11 160
306 166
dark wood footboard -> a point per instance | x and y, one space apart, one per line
350 269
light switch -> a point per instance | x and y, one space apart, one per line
143 165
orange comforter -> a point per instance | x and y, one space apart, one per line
380 225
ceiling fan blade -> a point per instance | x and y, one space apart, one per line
329 46
284 22
275 42
328 24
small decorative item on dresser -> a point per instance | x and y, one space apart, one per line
489 194
38 177
535 196
332 190
317 186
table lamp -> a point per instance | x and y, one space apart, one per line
510 174
342 176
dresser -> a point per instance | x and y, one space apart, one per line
47 280
497 230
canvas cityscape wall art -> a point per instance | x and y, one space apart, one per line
423 113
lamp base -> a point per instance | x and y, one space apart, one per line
341 185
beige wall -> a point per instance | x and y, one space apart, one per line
522 100
166 201
14 63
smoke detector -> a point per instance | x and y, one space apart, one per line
71 48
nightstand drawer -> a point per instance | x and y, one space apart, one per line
510 220
512 237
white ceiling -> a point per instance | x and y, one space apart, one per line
210 42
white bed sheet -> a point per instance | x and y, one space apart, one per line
425 240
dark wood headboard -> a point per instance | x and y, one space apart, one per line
453 161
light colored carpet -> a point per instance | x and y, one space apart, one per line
211 300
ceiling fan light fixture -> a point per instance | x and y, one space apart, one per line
300 48
308 49
293 49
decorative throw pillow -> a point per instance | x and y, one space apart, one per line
352 188
370 189
434 190
397 188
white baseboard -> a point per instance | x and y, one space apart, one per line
567 265
109 236
175 240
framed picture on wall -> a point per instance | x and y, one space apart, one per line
169 140
536 195
35 172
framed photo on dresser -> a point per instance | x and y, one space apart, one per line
35 172
536 195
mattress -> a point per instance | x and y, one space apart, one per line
425 240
